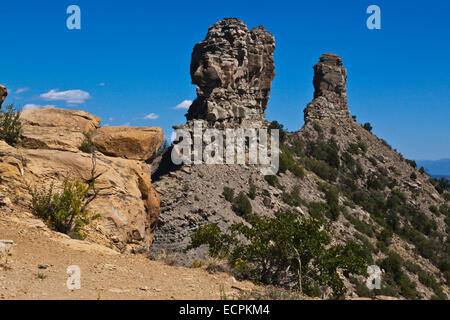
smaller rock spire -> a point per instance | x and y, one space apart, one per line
330 98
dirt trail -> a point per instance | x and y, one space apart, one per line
104 273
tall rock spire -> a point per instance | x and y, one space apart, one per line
233 69
330 97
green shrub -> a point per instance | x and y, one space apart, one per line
212 236
333 130
412 267
228 194
326 151
241 204
434 209
373 161
412 163
392 266
413 176
10 125
252 190
293 198
287 162
286 249
444 209
332 198
422 170
367 126
441 185
65 211
87 145
429 281
317 127
322 169
272 180
354 148
280 127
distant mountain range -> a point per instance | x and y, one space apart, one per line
436 168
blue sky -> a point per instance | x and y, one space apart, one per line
132 59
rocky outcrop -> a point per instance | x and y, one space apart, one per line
57 129
330 98
233 69
138 143
127 203
3 94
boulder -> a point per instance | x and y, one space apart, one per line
138 143
75 120
54 128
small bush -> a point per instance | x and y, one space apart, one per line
228 193
65 211
272 180
287 162
322 169
280 127
242 204
413 176
373 161
367 126
434 209
87 145
412 163
293 198
10 125
252 190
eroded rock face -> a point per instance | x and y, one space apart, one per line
127 201
138 143
3 94
330 97
57 129
233 69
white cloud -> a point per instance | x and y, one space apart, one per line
151 116
36 106
20 90
183 105
101 84
70 96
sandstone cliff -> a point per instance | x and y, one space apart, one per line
49 152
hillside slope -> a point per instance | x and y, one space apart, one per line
384 202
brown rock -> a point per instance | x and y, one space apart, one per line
233 68
3 94
54 128
330 98
138 143
126 201
76 120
